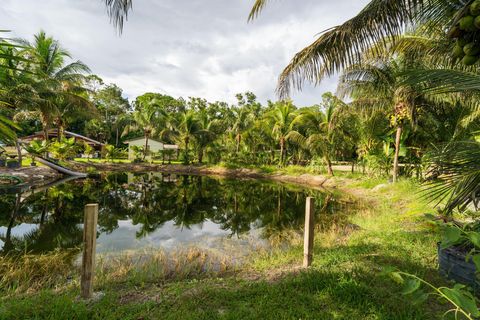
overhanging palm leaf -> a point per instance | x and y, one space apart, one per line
438 81
118 12
457 166
343 45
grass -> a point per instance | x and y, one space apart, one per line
344 282
85 160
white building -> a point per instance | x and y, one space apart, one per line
153 147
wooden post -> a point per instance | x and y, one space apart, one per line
89 240
309 231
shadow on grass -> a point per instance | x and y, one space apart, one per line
345 283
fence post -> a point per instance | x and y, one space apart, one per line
309 231
89 241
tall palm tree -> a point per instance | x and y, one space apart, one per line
53 81
282 117
208 133
147 117
188 129
382 83
321 131
243 119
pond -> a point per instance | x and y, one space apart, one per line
159 211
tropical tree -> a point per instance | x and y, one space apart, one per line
282 117
147 117
189 128
54 85
380 84
323 129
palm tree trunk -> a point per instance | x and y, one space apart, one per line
397 153
146 147
186 151
200 155
282 147
19 151
116 137
239 139
329 166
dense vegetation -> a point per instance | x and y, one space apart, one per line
406 104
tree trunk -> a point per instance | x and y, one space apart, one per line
19 152
329 166
116 137
282 147
186 151
397 153
239 139
146 147
200 155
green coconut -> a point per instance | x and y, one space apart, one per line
455 32
477 22
461 42
469 60
458 52
471 49
475 8
467 23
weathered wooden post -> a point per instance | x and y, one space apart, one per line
90 241
309 231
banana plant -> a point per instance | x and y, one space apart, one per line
37 148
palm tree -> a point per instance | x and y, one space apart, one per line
208 133
53 82
188 129
343 46
322 131
382 82
281 118
147 117
243 118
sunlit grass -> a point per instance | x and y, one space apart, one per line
344 282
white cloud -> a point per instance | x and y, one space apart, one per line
185 48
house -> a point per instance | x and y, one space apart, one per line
154 147
53 134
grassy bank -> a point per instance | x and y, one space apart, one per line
345 281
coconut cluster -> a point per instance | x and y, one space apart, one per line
467 35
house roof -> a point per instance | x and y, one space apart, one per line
68 134
165 146
142 138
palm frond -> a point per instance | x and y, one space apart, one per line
118 12
456 168
436 81
343 45
258 6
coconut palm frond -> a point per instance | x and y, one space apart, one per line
258 6
437 81
118 12
343 45
457 167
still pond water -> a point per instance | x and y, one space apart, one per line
155 211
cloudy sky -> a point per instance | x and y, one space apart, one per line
201 48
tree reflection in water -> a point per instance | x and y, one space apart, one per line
52 219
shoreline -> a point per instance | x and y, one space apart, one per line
309 180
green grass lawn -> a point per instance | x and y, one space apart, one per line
344 282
